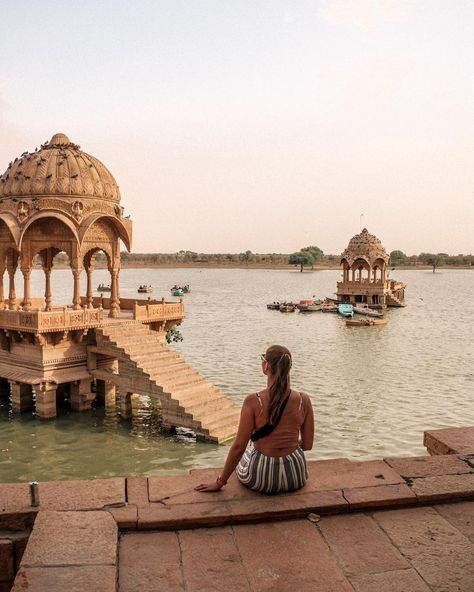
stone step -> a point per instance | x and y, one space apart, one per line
179 383
200 406
160 361
159 356
221 421
184 394
169 376
189 400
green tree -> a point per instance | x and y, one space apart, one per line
316 252
432 259
301 258
398 258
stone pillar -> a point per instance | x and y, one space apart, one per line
90 289
22 397
11 287
114 298
76 300
353 275
81 395
47 290
46 400
26 288
106 392
126 405
2 297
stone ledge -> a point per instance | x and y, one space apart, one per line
380 496
69 578
430 466
449 441
71 538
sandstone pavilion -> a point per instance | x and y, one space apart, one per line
59 199
365 274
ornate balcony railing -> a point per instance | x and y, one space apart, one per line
40 321
158 311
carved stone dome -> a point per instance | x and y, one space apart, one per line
58 168
365 246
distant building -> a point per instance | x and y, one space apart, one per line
365 274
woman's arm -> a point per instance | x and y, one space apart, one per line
246 427
307 429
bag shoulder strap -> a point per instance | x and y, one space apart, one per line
269 427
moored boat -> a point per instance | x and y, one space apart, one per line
368 322
309 305
328 307
273 306
103 288
369 312
346 310
287 308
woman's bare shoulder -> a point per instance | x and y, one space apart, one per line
251 399
306 398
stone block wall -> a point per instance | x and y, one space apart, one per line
12 547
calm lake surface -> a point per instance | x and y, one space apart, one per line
374 389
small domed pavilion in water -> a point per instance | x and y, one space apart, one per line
365 270
59 199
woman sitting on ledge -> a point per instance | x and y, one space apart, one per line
280 422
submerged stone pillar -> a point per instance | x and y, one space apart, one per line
46 400
126 405
81 396
22 397
106 392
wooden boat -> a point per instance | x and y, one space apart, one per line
287 308
309 305
103 288
365 322
144 289
328 307
346 310
274 306
184 289
177 292
369 312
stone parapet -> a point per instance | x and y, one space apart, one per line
39 321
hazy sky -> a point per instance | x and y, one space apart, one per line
265 124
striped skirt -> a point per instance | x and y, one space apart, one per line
272 474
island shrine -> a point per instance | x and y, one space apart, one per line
59 199
365 274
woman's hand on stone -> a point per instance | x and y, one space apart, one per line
208 487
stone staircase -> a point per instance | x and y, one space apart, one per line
147 366
392 300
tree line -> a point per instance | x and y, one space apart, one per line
306 256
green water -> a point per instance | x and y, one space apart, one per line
374 390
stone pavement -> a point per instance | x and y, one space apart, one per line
404 550
387 525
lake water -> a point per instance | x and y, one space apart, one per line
374 390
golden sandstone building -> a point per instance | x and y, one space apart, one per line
365 278
60 199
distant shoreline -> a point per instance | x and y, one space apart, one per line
280 266
274 266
